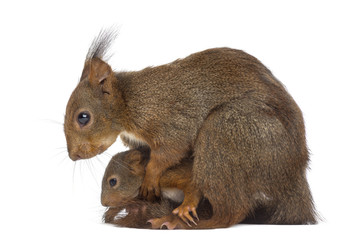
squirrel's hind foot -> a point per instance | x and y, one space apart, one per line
184 213
168 222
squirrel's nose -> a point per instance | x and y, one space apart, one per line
103 201
75 156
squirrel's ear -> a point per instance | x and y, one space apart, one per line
136 164
98 71
85 72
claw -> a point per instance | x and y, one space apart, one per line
149 191
185 221
189 217
184 213
194 213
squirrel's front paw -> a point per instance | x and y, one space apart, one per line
150 189
183 211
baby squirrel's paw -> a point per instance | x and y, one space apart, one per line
183 211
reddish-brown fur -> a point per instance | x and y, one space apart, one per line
245 131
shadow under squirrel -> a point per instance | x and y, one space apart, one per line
245 132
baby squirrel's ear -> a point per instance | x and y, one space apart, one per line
136 163
98 73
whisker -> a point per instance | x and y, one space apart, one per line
61 148
101 163
81 171
57 154
52 121
123 164
107 154
62 161
91 169
73 177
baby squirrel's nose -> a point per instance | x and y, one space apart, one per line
103 201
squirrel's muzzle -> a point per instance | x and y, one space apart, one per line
85 151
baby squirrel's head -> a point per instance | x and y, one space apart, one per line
94 105
123 177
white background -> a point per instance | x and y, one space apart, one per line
311 46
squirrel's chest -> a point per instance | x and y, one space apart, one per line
131 139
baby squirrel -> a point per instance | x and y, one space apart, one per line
138 213
245 131
144 214
120 188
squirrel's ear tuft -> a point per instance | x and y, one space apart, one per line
96 70
101 44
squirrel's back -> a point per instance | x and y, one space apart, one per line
185 91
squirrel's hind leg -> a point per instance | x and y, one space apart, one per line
222 163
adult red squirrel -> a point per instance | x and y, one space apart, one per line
244 130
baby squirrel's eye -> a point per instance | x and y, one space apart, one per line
112 182
83 118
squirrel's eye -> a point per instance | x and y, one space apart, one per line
112 182
83 118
